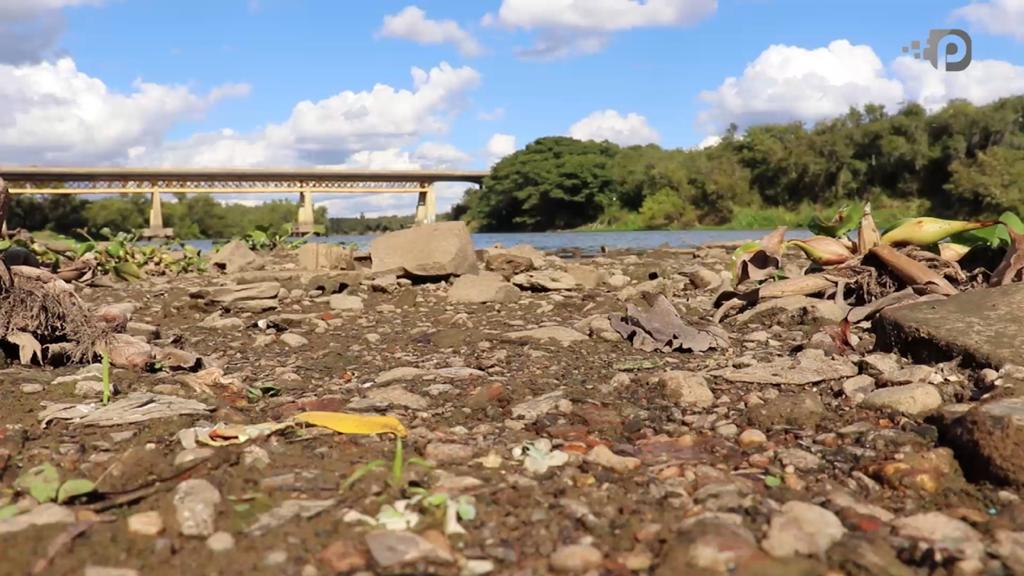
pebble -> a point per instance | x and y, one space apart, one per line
602 456
109 571
220 541
275 558
910 399
802 528
751 438
391 548
146 523
293 340
344 556
727 430
195 505
192 455
576 559
687 388
800 459
859 386
448 453
943 532
31 388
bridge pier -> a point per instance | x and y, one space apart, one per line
156 219
426 205
306 221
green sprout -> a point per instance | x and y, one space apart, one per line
398 466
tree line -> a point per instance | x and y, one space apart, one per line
963 161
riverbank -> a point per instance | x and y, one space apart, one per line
759 446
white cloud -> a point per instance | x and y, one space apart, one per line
569 27
54 113
1001 17
790 83
709 142
982 82
411 23
11 9
627 130
499 146
367 129
440 155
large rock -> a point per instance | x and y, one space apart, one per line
235 256
313 256
429 250
508 265
544 280
984 326
989 440
482 288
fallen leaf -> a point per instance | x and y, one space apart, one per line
41 482
759 260
1012 262
353 423
74 487
227 434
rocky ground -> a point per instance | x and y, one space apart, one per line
539 439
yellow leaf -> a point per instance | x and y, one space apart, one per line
353 423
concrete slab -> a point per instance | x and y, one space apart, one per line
985 326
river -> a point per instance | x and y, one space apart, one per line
586 242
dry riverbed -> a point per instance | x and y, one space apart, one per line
539 439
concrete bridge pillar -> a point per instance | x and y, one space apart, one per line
306 222
426 205
156 219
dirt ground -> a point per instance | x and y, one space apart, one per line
701 480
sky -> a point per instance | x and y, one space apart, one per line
389 84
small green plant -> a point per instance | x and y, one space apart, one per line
396 479
265 238
106 377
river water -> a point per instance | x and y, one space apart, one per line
586 242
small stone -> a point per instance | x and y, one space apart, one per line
31 388
448 453
195 503
91 388
560 334
293 340
109 571
878 363
220 541
192 455
534 408
576 559
344 556
255 456
942 533
602 456
800 459
687 388
345 302
751 438
391 548
729 430
619 281
910 399
802 528
909 375
858 387
275 558
146 523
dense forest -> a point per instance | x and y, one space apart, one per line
961 161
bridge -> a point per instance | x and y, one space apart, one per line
303 181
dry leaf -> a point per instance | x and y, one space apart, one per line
911 271
1012 262
867 235
762 260
353 423
28 347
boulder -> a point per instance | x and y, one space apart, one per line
989 440
521 250
429 250
508 265
482 288
313 256
235 256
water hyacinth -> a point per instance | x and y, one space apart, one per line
823 250
924 231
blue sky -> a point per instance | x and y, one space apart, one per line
275 82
